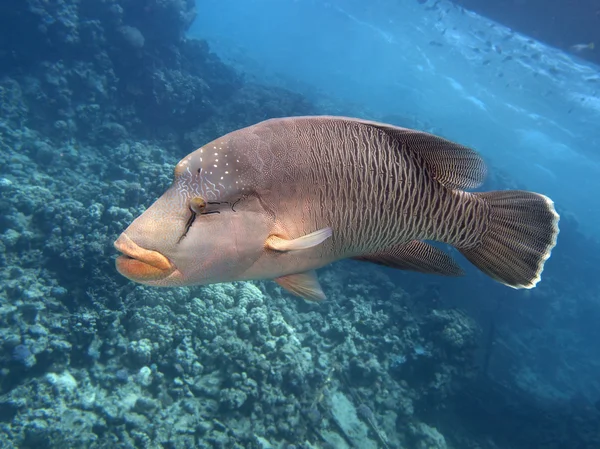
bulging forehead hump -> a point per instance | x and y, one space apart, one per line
217 168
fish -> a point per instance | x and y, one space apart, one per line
284 197
433 7
580 48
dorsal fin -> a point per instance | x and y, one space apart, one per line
453 165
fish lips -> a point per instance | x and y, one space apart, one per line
139 264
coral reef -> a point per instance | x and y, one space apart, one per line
101 70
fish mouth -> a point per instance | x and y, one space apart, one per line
139 264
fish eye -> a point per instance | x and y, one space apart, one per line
198 205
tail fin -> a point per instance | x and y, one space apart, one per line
519 236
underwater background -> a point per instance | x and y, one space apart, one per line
99 99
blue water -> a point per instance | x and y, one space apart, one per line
533 115
98 102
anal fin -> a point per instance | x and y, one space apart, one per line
415 256
305 285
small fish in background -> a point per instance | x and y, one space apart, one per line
509 36
536 56
554 70
284 197
582 48
432 7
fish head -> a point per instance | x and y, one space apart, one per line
210 226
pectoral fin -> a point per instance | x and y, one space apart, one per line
416 256
305 285
307 241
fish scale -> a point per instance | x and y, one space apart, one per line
365 178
